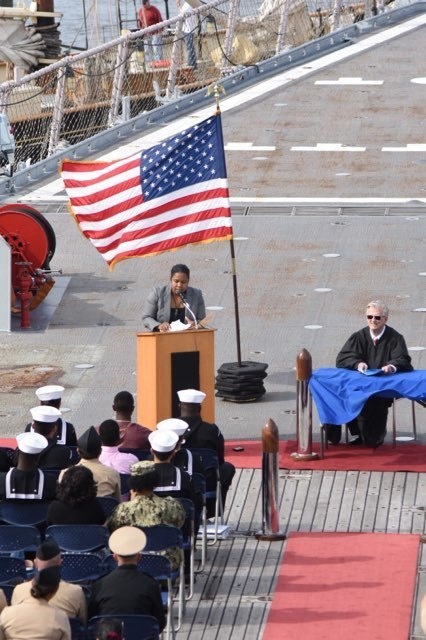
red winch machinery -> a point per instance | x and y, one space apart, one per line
32 242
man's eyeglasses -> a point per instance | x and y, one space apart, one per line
375 317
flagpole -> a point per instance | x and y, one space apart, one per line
217 89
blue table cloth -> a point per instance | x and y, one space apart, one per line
340 394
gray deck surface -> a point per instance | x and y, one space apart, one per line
292 294
232 596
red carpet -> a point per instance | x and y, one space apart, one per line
404 457
337 586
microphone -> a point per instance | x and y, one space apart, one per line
186 305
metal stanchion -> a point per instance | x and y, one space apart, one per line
304 408
270 508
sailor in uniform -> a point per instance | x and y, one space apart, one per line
173 482
205 435
51 395
45 420
26 481
185 459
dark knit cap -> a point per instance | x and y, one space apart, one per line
90 442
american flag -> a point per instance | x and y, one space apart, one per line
170 195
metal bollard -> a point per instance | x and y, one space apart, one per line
304 408
270 508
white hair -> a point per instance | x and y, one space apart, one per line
378 304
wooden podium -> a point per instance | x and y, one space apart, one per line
169 362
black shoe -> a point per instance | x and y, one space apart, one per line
355 441
333 433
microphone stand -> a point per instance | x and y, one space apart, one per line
186 305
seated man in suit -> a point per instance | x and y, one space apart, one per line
376 346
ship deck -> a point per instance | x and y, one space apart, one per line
326 168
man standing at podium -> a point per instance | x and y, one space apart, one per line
376 346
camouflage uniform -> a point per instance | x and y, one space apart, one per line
146 511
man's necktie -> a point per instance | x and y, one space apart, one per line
375 341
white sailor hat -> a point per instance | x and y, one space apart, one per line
45 413
173 424
163 441
50 392
191 395
127 541
31 442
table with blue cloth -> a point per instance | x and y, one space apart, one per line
340 394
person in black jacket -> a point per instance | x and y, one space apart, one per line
51 395
205 435
376 346
76 501
27 481
45 422
126 590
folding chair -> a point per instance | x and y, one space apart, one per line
210 462
413 422
108 505
12 569
78 630
81 568
87 538
161 537
24 512
136 627
159 568
188 535
199 483
124 486
12 572
16 539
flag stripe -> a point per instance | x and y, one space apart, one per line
170 195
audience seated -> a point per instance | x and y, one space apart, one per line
126 590
145 509
35 618
109 432
26 481
76 501
70 598
132 434
183 458
89 447
51 395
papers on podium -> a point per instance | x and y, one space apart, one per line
177 325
